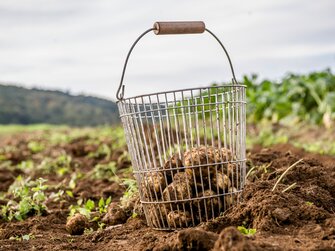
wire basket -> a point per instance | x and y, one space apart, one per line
187 146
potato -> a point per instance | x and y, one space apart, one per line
205 205
157 215
177 190
208 156
224 155
183 177
76 224
115 214
231 199
152 185
179 219
173 162
221 181
199 156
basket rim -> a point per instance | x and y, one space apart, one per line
178 90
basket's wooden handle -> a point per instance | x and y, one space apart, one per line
189 27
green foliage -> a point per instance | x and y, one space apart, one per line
35 146
294 98
26 165
130 193
61 165
103 204
246 231
266 137
28 199
89 207
82 208
309 203
321 147
103 171
103 151
25 237
304 97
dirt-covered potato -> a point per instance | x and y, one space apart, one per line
173 162
157 215
115 215
177 190
224 155
221 181
205 205
201 155
179 219
208 156
231 199
76 224
182 177
232 170
152 185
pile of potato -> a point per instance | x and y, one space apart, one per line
180 185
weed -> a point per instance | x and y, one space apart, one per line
29 199
104 171
25 237
74 177
26 165
61 165
35 146
82 208
130 193
88 207
309 203
103 151
246 231
88 230
103 204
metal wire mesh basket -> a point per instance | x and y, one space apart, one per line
187 146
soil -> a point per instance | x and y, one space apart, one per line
301 218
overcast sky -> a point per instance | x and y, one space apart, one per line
80 45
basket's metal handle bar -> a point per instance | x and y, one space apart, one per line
164 28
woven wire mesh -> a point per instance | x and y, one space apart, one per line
188 152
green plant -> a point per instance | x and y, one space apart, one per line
103 204
130 193
103 171
296 97
103 151
35 146
61 165
89 207
25 237
246 231
74 178
88 230
309 203
84 208
28 199
26 165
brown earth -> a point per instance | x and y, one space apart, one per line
302 218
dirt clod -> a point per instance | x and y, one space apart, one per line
190 239
230 239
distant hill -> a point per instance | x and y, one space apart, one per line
20 105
